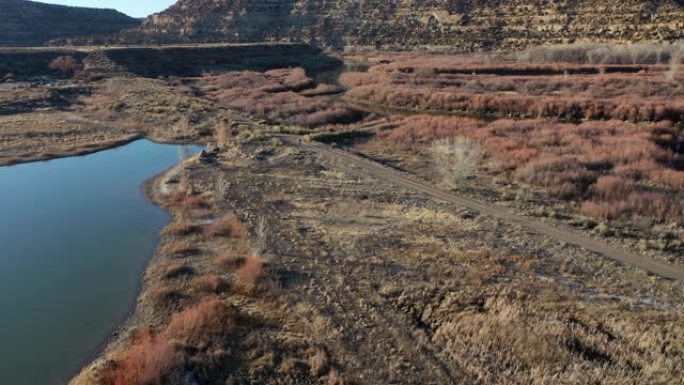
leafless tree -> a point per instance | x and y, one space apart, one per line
456 158
676 57
261 233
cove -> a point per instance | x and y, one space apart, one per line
75 236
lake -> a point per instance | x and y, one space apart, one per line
76 234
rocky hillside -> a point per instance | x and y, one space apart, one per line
466 24
28 23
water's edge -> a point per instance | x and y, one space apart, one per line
145 191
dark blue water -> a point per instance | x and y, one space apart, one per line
75 235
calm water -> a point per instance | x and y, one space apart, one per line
75 235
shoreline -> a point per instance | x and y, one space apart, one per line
149 192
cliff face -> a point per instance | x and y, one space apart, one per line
28 23
467 24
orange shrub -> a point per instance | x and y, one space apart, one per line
229 226
206 319
248 274
146 362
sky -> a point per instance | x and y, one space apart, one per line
135 8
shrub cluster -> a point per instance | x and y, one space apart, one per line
615 169
273 96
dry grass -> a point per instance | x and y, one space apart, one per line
177 270
229 261
211 283
227 226
209 318
183 225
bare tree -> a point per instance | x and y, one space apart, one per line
456 159
676 57
261 233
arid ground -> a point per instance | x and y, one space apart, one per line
424 219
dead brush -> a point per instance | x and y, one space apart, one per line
228 226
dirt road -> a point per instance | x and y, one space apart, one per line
560 234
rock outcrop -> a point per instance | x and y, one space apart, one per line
28 23
462 24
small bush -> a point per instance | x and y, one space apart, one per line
206 319
209 284
612 188
249 272
181 226
228 226
178 270
146 362
65 64
229 261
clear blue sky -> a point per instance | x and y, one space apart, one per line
135 8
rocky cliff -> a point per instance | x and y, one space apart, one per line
466 24
28 23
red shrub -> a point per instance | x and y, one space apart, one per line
612 188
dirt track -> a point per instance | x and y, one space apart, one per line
560 234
